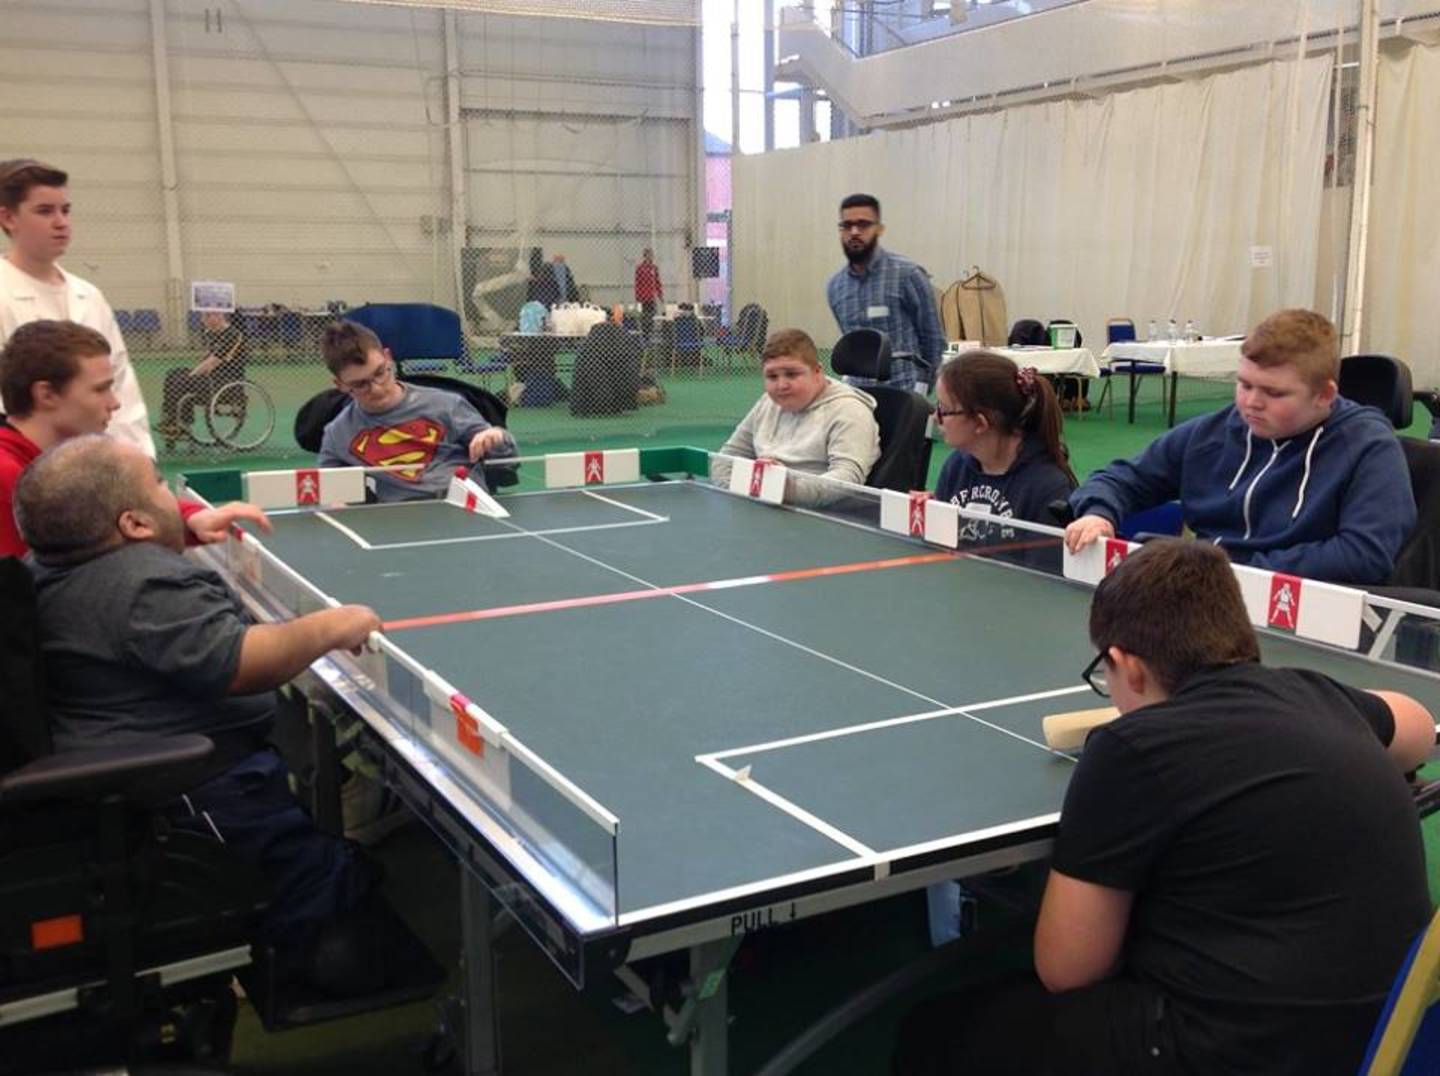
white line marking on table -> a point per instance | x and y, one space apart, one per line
906 719
421 544
361 542
621 504
795 811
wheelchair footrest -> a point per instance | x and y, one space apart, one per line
395 964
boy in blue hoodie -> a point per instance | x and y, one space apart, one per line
1291 478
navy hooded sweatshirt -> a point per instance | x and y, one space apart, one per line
1331 503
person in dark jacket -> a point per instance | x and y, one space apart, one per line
1290 478
1004 424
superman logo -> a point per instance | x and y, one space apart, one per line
408 447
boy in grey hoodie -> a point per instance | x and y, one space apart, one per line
806 422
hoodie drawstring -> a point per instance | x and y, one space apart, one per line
1250 489
1305 479
1243 463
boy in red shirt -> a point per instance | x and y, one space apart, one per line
56 382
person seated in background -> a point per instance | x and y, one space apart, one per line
418 435
807 422
56 381
1238 871
140 641
224 362
1291 477
1004 424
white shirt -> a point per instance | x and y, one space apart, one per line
24 299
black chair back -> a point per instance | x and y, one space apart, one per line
1380 381
314 415
862 353
1418 562
903 417
1027 332
24 725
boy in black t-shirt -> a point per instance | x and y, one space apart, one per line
1238 871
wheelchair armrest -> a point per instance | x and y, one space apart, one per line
1415 595
1430 398
93 774
1427 798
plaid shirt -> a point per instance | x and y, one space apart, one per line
912 321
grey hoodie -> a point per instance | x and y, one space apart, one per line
836 436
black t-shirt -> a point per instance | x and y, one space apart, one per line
227 345
1275 856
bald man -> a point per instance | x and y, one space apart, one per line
140 641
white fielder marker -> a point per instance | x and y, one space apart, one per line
466 493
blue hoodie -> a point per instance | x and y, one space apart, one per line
1332 503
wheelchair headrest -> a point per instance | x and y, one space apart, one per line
1380 381
25 730
862 353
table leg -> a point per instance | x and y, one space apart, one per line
325 805
1174 380
481 1026
704 1018
1134 387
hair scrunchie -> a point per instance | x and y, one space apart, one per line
1025 380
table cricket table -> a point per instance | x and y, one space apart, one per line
656 716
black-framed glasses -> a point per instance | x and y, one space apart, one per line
856 225
942 412
364 384
1094 675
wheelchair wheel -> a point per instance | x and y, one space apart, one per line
198 431
241 415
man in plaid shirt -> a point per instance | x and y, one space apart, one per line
881 290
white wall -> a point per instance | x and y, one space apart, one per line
311 145
1139 204
581 140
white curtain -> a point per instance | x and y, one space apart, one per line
1402 268
1140 204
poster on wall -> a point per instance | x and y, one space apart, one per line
212 296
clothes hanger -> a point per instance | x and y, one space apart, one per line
977 281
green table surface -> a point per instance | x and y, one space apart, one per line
621 697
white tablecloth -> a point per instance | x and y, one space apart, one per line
1207 358
1074 361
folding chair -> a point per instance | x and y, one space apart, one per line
1406 1041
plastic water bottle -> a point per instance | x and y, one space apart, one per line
1190 334
1174 330
1151 332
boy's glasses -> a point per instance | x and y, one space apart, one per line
1094 675
365 384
